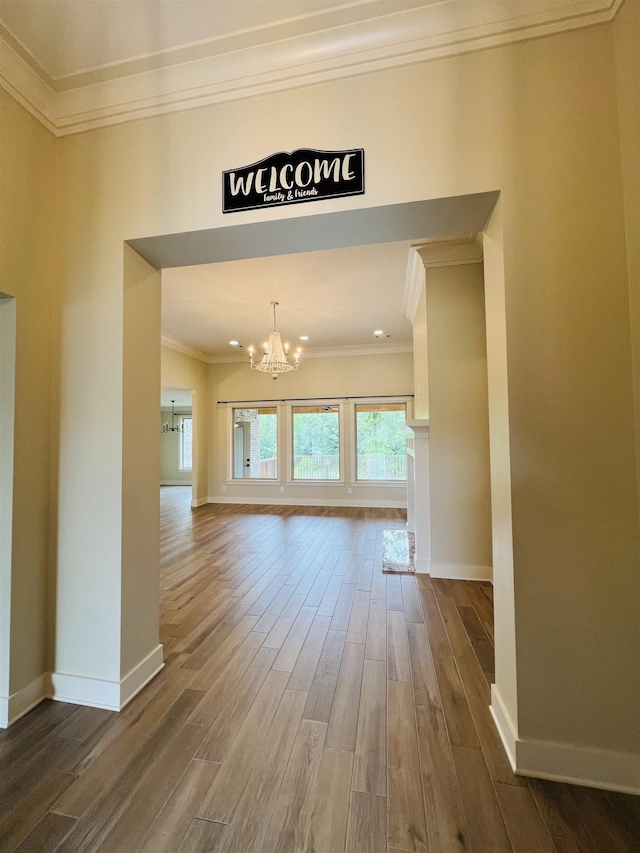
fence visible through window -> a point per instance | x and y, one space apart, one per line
380 441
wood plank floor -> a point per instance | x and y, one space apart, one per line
309 704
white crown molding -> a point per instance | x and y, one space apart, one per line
442 253
451 253
180 346
413 285
328 352
403 38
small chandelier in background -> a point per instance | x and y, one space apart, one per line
173 428
276 357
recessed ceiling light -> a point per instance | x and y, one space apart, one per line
234 343
378 332
304 337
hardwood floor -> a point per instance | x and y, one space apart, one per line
309 703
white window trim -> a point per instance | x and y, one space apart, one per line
182 470
258 481
341 444
353 436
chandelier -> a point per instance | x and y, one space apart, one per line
173 428
276 356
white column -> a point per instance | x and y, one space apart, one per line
418 465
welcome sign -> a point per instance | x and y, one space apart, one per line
291 178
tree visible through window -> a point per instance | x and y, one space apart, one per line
316 443
380 441
186 444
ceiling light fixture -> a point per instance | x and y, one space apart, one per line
275 359
304 337
233 343
378 332
173 428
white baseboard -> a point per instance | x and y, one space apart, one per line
421 565
141 675
175 482
461 571
577 765
355 502
99 693
199 502
18 704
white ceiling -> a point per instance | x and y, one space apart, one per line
79 64
72 37
181 396
337 297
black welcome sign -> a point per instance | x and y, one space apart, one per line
302 175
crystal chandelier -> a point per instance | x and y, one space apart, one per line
173 428
275 359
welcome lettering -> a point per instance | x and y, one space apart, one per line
303 175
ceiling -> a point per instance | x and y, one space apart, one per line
78 38
78 64
181 397
337 297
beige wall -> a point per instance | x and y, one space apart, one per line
179 370
170 452
27 255
458 421
520 119
626 34
537 120
348 376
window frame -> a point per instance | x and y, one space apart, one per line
291 481
353 418
271 481
181 420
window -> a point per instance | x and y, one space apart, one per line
255 443
186 444
380 441
316 442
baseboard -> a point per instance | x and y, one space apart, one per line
505 726
577 765
20 703
99 693
175 482
356 502
461 571
421 566
199 502
141 675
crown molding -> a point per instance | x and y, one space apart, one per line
316 352
329 352
438 253
413 285
450 253
403 38
180 346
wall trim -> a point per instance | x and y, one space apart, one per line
20 703
403 38
560 762
180 346
315 352
461 571
320 502
100 693
140 675
413 284
199 502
